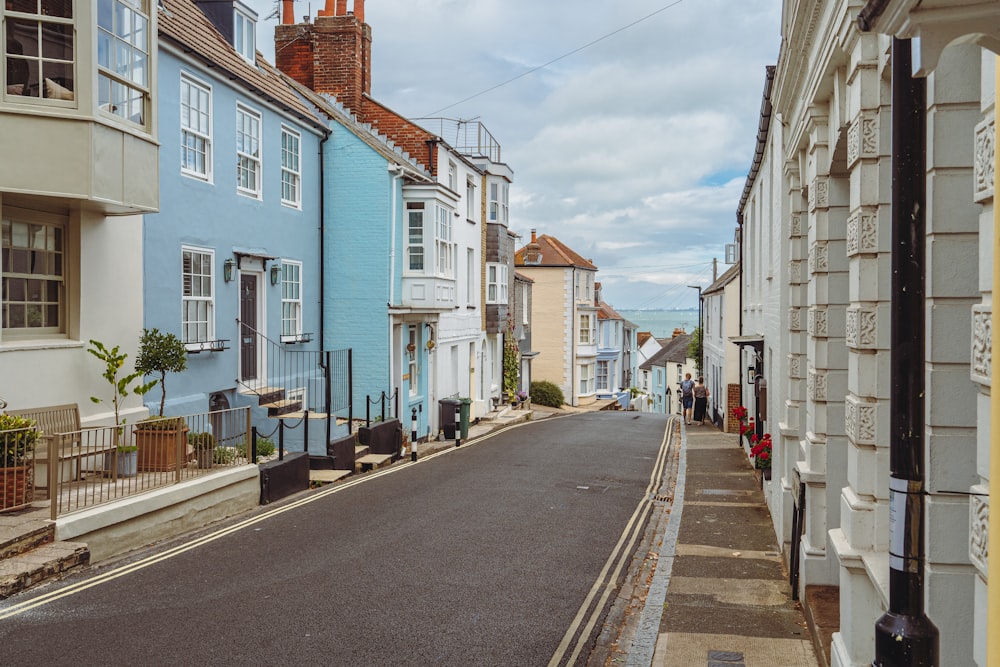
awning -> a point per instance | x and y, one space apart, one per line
754 340
259 253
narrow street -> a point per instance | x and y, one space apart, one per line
498 553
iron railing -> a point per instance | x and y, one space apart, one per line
81 469
468 137
293 382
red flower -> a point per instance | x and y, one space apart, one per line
740 413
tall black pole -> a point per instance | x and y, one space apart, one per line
904 635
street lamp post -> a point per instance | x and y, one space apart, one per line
701 334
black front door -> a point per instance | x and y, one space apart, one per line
248 333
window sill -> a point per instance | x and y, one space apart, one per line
39 344
297 338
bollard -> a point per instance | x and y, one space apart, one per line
413 435
458 425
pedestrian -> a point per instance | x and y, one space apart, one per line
701 395
687 397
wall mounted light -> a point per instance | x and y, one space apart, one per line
227 270
275 274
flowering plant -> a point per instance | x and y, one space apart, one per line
761 451
522 395
740 413
747 431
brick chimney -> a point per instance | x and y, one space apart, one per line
532 251
331 55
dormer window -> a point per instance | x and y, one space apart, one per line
244 34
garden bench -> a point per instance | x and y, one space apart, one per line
55 421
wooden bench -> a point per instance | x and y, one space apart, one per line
63 420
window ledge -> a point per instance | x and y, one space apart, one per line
39 344
297 338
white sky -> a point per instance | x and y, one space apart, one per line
633 151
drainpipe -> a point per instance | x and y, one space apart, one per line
322 243
905 635
993 564
397 174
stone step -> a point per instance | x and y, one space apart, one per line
359 451
19 536
327 476
371 462
21 571
283 407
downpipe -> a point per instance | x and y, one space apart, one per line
904 635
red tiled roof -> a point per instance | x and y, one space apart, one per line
554 252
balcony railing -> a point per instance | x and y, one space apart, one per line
468 137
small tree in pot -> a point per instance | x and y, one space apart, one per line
159 354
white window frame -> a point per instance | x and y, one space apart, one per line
124 88
470 200
200 135
248 136
496 283
291 302
494 203
291 167
470 270
416 252
56 229
245 35
190 298
603 376
444 244
525 308
452 176
586 379
585 335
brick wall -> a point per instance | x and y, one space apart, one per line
732 402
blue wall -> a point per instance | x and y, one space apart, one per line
213 215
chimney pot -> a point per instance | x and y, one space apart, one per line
359 10
533 239
341 8
288 12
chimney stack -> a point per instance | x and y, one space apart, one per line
532 252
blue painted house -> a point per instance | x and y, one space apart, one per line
233 259
666 369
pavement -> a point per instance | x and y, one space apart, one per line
719 593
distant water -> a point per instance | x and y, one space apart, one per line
662 322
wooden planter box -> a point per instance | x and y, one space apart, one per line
18 490
161 451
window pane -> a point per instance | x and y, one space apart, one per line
60 8
58 43
104 12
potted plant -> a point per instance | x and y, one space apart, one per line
17 440
761 452
159 354
162 442
204 447
121 387
127 460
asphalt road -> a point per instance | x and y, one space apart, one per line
491 554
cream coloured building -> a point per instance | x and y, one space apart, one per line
817 247
563 316
80 167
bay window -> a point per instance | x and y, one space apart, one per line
415 236
123 46
444 244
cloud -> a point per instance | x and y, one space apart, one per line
633 150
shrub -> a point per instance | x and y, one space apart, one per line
264 447
544 392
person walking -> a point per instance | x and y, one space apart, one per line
687 397
701 395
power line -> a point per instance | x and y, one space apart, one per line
555 60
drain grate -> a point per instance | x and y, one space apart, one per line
726 659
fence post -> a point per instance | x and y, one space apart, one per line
253 443
281 439
383 405
350 390
368 411
326 372
54 447
395 396
305 431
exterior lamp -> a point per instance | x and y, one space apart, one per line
227 270
275 274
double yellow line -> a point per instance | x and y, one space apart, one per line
110 575
586 618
